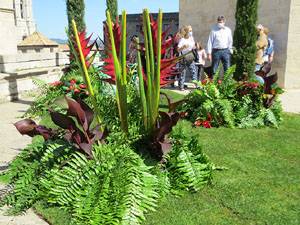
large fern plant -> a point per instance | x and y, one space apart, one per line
119 185
233 104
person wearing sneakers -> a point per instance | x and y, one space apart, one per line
185 45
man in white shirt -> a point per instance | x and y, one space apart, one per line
219 45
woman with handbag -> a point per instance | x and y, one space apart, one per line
185 45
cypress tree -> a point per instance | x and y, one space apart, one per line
112 7
75 11
244 39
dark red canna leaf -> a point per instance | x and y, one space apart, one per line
173 105
269 81
74 109
159 144
26 126
30 128
89 113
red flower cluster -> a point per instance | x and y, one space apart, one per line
204 81
205 123
55 83
248 84
77 90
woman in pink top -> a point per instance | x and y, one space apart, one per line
201 62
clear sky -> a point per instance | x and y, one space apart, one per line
51 17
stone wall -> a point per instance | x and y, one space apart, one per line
292 78
8 40
15 85
281 17
18 62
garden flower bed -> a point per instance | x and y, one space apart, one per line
112 157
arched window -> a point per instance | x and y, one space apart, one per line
22 9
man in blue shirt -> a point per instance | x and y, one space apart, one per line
219 45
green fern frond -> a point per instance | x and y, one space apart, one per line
38 82
227 111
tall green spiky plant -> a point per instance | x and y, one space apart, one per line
150 95
112 7
157 71
75 11
120 71
244 39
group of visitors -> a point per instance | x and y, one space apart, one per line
219 48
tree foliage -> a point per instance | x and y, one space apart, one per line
75 11
244 39
112 7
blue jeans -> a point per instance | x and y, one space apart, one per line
220 55
258 78
193 72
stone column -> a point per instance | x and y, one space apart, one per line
292 76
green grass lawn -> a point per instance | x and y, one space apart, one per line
260 186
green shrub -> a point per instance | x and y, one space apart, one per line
232 103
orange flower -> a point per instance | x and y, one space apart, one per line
198 123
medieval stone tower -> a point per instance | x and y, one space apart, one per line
16 22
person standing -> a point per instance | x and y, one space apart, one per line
201 61
219 45
269 53
185 45
261 46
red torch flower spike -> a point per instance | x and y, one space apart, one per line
109 66
85 48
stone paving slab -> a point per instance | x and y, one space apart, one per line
12 143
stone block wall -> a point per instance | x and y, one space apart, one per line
16 85
18 62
